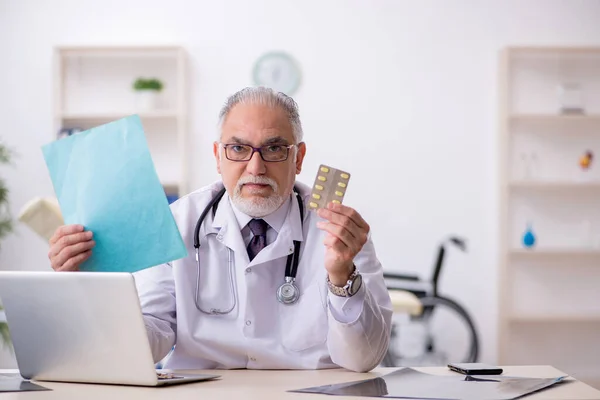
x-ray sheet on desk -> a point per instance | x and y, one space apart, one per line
15 383
407 383
105 180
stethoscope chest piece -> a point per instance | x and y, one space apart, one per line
288 292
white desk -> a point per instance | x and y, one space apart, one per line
266 385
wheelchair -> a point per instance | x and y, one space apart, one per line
434 329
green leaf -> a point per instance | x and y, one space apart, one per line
5 335
6 223
5 154
3 193
147 84
6 226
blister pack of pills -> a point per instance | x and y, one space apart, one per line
330 186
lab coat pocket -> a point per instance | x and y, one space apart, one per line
303 325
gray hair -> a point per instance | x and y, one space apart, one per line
269 97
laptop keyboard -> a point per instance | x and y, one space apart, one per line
10 376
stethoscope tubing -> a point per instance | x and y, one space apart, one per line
287 293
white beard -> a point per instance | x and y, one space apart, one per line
257 207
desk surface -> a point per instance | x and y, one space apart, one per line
265 385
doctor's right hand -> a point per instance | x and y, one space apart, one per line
69 247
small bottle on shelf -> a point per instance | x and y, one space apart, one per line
585 173
528 236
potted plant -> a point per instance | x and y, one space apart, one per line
6 226
147 91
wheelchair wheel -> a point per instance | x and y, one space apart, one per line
443 333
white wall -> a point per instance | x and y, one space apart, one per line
414 79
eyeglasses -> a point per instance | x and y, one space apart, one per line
269 153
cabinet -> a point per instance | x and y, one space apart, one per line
549 146
94 86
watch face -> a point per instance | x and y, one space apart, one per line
355 284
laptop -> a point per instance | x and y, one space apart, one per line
81 327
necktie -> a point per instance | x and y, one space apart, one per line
259 240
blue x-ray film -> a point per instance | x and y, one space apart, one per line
105 180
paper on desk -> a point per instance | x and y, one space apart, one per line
105 180
411 384
15 383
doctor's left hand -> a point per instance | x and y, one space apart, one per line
347 233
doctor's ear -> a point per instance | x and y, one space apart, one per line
300 153
217 156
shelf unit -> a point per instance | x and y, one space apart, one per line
109 116
93 86
549 294
553 186
536 318
555 252
555 118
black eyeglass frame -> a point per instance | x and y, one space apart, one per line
258 150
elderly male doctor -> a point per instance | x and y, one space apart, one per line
230 315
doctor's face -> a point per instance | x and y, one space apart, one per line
258 187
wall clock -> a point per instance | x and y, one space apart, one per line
277 70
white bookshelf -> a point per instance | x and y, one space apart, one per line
549 118
555 252
555 186
549 294
109 116
554 318
93 86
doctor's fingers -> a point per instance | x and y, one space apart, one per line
339 233
71 256
343 221
348 212
344 252
63 231
73 263
69 240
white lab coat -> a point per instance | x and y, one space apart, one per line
260 333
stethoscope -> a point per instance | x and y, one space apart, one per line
287 293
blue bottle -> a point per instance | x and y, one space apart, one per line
528 237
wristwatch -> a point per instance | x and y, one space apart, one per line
350 288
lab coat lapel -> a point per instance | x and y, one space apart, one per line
229 232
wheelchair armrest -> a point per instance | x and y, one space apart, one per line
401 277
405 302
